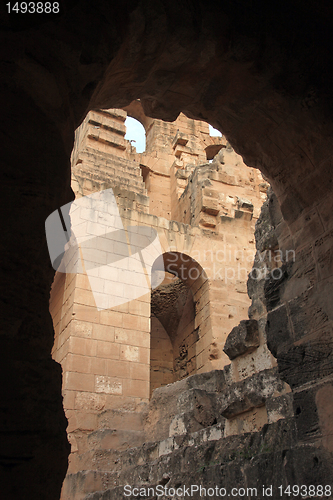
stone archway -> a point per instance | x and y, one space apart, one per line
177 323
172 334
256 74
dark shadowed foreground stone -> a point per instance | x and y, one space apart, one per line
277 329
242 339
264 232
270 457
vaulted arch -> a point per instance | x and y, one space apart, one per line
177 321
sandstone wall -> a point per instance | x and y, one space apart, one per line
113 359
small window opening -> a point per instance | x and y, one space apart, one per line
213 132
136 134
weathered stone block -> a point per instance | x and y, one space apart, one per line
199 405
89 401
244 204
180 139
108 385
277 329
264 230
120 419
307 314
210 205
308 465
213 381
207 220
241 214
264 470
115 439
279 407
309 361
275 285
250 393
225 219
274 208
306 412
256 309
184 423
242 339
210 193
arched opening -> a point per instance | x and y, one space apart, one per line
135 134
173 334
216 145
176 322
213 132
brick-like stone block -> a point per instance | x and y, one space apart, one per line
89 401
130 353
78 363
85 313
118 368
108 385
112 318
82 346
115 439
79 381
136 388
210 205
99 366
139 371
207 220
108 350
242 339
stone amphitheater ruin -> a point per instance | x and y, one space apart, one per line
213 378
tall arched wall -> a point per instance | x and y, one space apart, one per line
111 347
106 356
261 73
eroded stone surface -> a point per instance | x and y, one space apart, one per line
242 339
250 393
